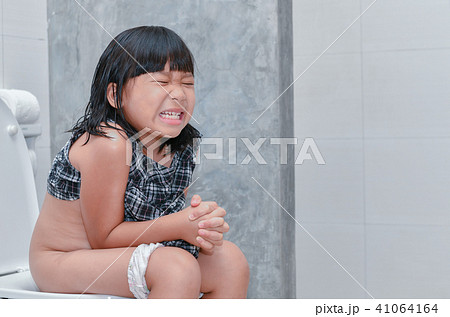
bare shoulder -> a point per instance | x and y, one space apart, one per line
112 149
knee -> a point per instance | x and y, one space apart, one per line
174 267
236 260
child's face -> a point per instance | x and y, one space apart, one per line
147 104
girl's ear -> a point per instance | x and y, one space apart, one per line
111 94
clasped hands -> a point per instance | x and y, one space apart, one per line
206 224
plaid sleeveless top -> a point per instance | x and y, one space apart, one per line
153 190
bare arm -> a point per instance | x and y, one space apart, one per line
104 175
131 233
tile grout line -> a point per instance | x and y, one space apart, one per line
373 224
3 51
363 147
366 138
22 37
392 50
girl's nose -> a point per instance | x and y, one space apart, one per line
177 93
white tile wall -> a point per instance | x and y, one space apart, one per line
378 106
332 193
1 46
407 181
318 274
24 56
26 67
405 24
328 96
406 93
25 18
318 23
408 261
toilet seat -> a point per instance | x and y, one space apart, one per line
21 285
19 211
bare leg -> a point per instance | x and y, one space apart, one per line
225 273
173 273
99 271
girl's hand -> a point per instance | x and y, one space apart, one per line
212 227
210 232
206 238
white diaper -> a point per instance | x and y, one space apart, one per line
137 268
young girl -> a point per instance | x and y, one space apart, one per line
113 220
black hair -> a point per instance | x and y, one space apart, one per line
134 52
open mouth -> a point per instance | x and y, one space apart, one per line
172 117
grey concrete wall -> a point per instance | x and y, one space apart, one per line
243 51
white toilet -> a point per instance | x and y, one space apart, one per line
18 213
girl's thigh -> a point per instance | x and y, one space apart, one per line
98 271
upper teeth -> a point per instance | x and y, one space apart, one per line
170 113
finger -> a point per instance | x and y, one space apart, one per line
204 209
211 222
205 244
214 242
213 204
212 236
222 229
210 206
196 200
226 227
219 212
